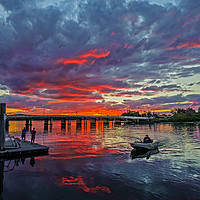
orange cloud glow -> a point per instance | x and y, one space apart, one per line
27 91
71 61
81 59
189 45
95 54
90 112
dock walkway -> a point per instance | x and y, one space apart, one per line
24 149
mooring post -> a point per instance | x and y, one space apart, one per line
7 125
2 126
1 177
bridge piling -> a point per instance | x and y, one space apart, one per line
78 121
93 121
106 121
46 123
27 124
63 124
68 122
51 124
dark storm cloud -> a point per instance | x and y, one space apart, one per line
144 41
24 102
171 102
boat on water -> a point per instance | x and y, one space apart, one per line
141 145
145 153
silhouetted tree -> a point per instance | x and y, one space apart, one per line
190 111
131 113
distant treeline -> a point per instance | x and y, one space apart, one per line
182 115
178 115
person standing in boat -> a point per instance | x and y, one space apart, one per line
24 134
147 139
33 133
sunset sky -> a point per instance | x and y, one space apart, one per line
99 57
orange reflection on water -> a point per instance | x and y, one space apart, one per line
80 182
166 128
99 126
111 125
86 125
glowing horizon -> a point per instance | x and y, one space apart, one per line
99 56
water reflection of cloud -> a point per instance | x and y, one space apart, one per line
72 181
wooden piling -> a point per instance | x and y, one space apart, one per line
2 126
1 176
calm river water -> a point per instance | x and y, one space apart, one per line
94 162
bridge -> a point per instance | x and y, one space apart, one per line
48 119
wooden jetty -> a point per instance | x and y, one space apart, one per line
25 149
10 147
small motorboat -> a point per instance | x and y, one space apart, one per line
145 153
141 145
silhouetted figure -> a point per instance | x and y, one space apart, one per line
32 161
147 139
33 133
24 134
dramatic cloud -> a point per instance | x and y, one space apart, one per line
94 55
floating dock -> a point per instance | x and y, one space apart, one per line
23 149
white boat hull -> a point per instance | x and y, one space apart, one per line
138 145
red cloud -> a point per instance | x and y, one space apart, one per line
190 20
189 45
81 59
71 61
95 54
128 46
27 91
